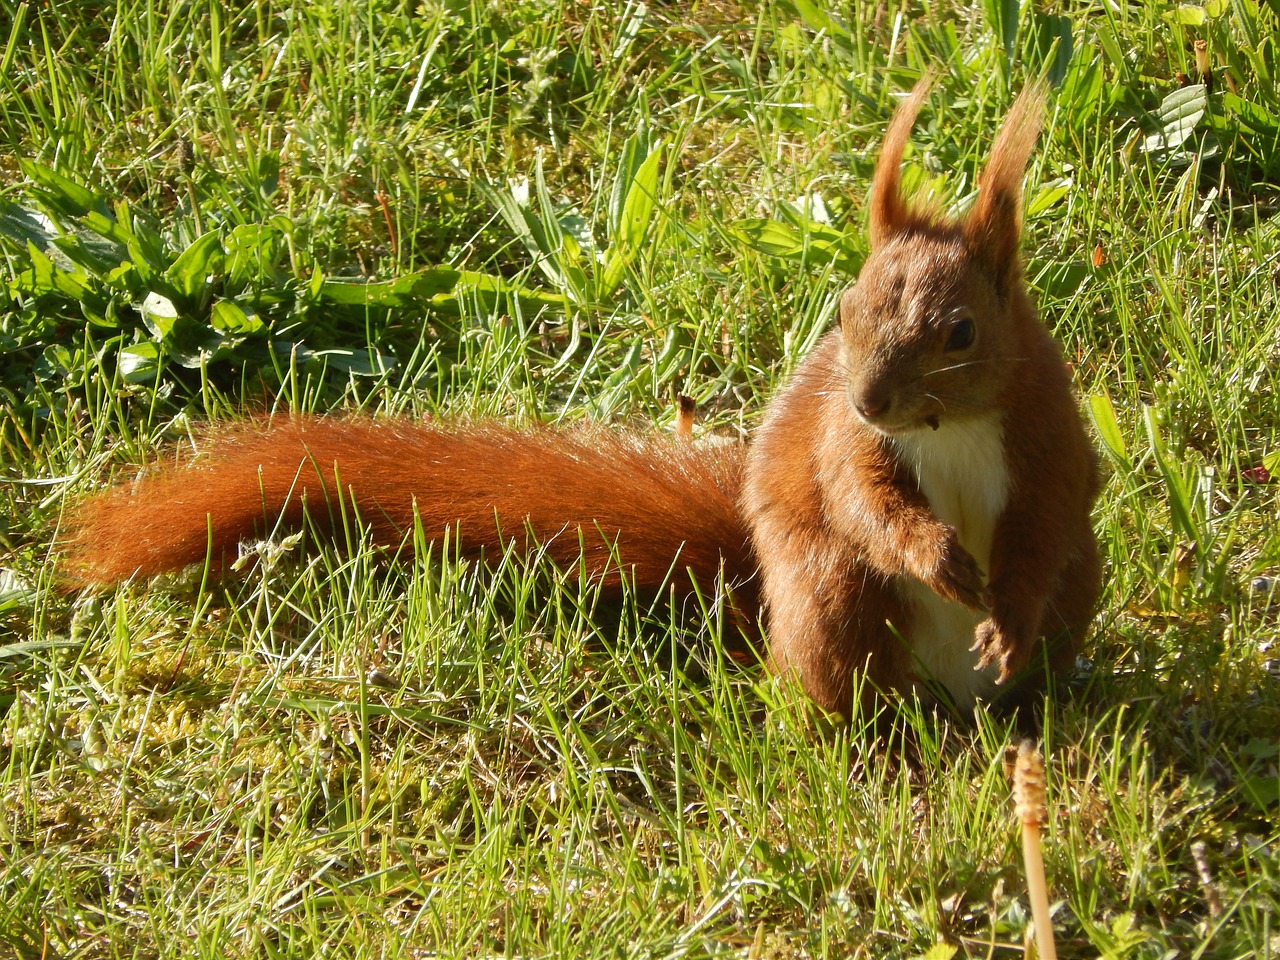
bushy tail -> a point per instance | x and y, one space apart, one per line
585 495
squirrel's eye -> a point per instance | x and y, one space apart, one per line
961 336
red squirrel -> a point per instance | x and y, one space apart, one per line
912 514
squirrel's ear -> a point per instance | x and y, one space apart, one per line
994 226
889 215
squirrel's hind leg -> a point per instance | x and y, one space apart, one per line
828 622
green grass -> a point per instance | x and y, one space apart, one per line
445 209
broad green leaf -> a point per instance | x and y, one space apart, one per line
158 313
403 291
1261 748
633 223
193 346
139 363
469 281
1057 279
108 228
1187 14
1179 115
360 293
24 225
634 152
1126 936
1196 15
814 230
229 317
577 231
770 236
1180 509
1003 17
123 278
251 250
1107 426
1053 44
817 17
1081 92
434 286
71 283
1048 195
16 592
65 196
572 268
638 208
24 649
57 362
148 249
100 257
805 241
1263 791
41 272
191 273
1111 47
440 281
1253 115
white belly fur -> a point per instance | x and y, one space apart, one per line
961 470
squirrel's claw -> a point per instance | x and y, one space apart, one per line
997 648
958 577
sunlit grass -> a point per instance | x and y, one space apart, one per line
341 753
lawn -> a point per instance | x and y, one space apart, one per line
556 211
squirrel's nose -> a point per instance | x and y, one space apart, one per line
872 404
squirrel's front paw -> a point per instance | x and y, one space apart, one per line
955 575
998 646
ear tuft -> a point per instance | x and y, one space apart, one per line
889 214
994 226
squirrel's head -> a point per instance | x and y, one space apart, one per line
931 329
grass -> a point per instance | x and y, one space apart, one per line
428 209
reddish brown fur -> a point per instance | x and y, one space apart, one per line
823 502
839 520
889 213
993 229
829 608
585 494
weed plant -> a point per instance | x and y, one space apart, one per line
557 211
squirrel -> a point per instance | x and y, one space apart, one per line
912 515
